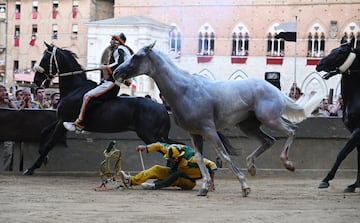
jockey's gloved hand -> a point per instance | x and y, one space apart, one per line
127 82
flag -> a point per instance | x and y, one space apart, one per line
288 32
32 41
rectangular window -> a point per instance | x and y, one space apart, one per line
2 8
16 66
33 62
35 10
17 35
34 29
54 31
74 31
75 8
33 35
17 10
55 9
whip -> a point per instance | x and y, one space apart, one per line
142 162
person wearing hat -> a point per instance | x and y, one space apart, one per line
182 170
108 88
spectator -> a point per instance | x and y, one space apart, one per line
8 150
182 170
40 98
295 93
54 100
19 95
337 109
323 110
5 101
27 101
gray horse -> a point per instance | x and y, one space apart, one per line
202 107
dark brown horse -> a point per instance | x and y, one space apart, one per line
345 60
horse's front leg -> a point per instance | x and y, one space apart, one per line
45 149
220 150
197 141
349 146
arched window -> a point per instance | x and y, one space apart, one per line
351 31
206 44
175 42
275 47
316 41
240 41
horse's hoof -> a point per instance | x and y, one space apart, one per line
203 192
246 191
351 188
252 169
323 185
251 166
289 165
28 172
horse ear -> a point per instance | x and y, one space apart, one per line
47 45
149 47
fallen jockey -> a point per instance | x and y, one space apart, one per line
182 170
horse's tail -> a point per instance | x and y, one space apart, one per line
301 109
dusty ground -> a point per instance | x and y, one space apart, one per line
70 199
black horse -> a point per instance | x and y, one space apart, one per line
150 120
345 60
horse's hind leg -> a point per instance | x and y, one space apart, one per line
251 127
349 146
351 188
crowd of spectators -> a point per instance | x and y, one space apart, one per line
25 98
326 108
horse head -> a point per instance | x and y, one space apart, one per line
138 64
338 61
55 61
46 69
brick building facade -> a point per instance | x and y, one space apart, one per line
219 39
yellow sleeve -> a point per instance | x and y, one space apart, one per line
160 147
210 165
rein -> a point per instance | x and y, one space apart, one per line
50 76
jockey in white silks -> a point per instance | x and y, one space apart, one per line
108 88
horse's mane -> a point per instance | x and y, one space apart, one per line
71 53
167 59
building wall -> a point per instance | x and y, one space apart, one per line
259 16
2 39
88 10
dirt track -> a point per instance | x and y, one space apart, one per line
70 199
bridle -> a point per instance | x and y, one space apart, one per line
348 62
51 76
344 68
